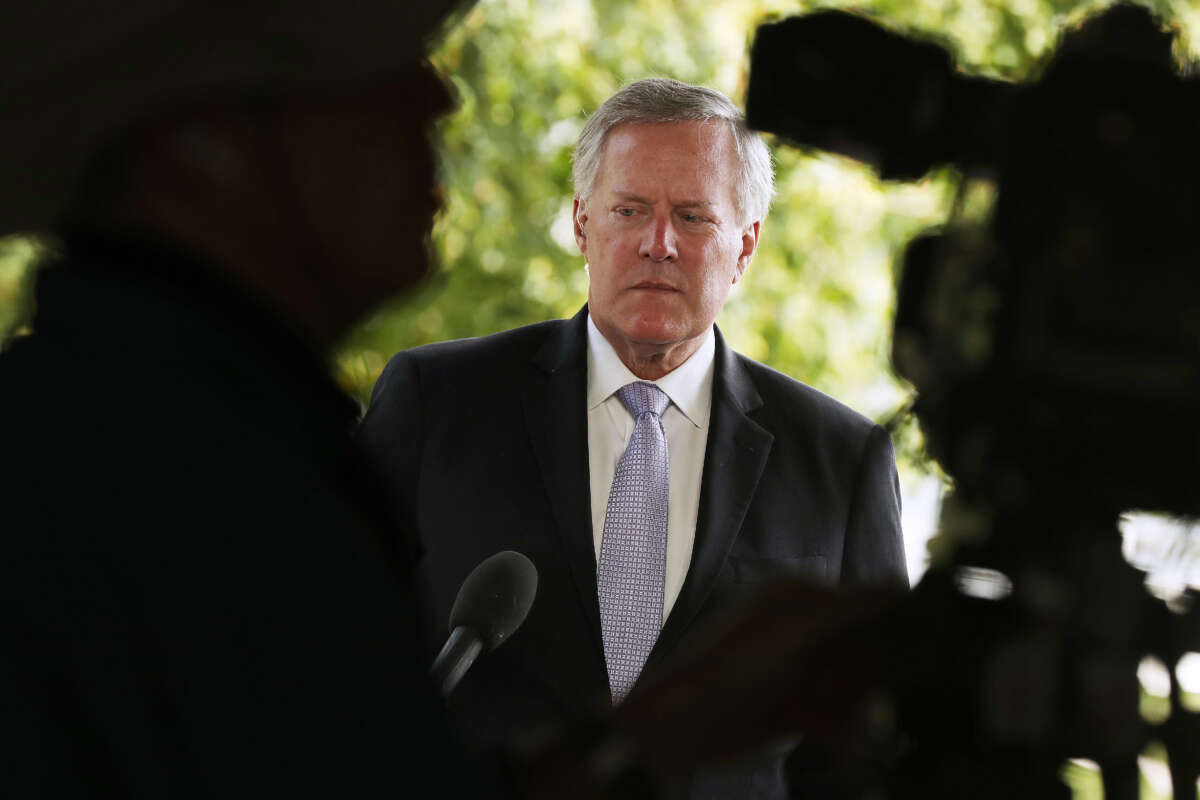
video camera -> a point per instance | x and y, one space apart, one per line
1054 343
1047 333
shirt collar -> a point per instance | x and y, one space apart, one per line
689 385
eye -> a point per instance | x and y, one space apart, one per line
625 212
690 217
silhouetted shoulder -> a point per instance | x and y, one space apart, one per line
485 350
478 361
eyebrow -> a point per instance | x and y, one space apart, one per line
630 197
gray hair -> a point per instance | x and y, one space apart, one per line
657 100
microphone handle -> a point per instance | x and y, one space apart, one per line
457 656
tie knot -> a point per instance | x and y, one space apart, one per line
641 397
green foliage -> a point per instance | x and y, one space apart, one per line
817 301
17 256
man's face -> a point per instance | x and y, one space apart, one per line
364 180
662 234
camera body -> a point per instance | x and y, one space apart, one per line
1054 346
1058 340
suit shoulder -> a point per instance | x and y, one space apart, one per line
781 391
516 343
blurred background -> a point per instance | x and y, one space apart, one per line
817 302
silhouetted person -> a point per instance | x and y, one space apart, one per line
202 590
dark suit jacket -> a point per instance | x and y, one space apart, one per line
484 442
193 599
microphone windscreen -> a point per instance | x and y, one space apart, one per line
496 597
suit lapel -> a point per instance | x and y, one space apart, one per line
556 416
734 458
735 455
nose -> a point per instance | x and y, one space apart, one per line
658 240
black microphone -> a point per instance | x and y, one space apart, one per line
492 603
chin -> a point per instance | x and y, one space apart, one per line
655 331
653 318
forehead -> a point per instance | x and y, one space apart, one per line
694 156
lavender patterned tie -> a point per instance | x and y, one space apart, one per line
633 549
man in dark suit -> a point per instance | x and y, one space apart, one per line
654 476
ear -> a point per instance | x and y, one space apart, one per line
579 220
749 246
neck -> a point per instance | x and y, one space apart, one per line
277 282
237 230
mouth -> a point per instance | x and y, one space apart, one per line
436 202
425 207
654 286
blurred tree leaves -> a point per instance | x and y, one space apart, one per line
817 301
17 255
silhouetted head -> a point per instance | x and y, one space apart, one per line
287 143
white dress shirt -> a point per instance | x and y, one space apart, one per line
610 427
